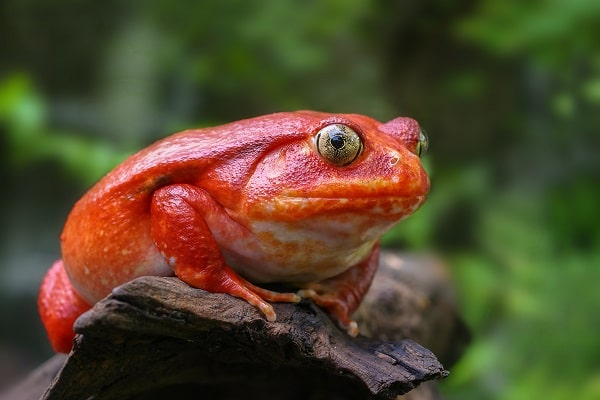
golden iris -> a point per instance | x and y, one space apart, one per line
338 144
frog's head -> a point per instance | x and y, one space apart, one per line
341 165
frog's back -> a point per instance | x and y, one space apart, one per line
179 157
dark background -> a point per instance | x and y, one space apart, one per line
509 92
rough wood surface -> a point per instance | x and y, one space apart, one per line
158 337
412 296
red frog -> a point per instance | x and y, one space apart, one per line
300 198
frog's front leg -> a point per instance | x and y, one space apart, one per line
179 215
341 295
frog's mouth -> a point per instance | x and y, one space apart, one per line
290 208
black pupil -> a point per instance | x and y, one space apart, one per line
337 140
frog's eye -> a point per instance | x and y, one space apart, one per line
422 144
338 144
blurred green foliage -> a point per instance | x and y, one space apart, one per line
23 113
508 91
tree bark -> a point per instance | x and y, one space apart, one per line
156 337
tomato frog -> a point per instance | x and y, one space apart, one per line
297 198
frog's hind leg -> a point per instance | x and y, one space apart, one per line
59 306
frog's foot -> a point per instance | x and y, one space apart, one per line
333 303
225 280
222 279
258 297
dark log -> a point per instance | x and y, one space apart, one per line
412 296
157 337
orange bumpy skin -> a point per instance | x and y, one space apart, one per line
300 198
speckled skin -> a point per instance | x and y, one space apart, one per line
250 201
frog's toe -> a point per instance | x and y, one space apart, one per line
267 310
352 329
274 297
